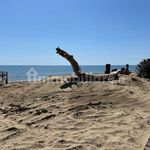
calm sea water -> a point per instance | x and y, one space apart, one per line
18 73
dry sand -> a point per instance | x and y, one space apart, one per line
85 116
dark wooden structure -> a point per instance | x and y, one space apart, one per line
108 67
4 77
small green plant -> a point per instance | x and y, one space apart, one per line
143 68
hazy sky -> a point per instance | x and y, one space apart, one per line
94 31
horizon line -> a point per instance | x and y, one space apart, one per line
70 65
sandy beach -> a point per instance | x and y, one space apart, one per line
111 115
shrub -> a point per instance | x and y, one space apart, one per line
143 69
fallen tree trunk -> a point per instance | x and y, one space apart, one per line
84 76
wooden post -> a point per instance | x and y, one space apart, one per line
108 66
6 77
127 67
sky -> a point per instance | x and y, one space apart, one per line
96 32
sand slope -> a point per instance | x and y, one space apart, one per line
86 116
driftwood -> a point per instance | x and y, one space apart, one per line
73 62
81 75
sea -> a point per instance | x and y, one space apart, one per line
21 73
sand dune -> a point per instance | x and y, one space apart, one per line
85 116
